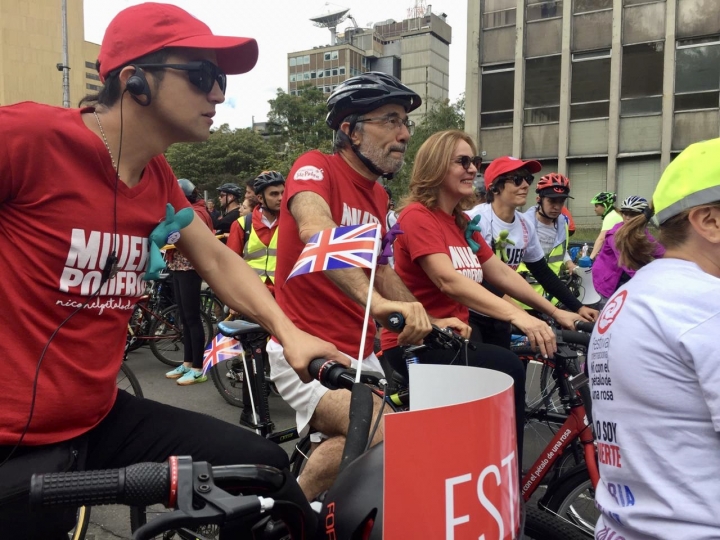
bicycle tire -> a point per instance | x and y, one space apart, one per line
128 381
169 349
81 525
229 377
541 525
562 495
137 328
298 458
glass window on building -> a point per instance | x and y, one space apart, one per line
498 88
697 75
292 77
583 6
341 71
590 88
90 65
642 79
327 73
293 61
306 59
633 2
320 74
306 76
334 55
326 57
498 13
313 75
327 89
542 90
537 11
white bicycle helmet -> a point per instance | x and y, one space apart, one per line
635 204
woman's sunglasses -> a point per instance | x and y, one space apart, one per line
518 179
466 161
203 74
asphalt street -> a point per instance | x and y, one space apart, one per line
113 522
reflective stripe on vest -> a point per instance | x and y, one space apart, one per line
261 258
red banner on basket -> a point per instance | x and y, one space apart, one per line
452 472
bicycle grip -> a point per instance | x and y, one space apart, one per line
577 338
585 326
396 322
142 484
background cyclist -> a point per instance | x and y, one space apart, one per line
654 365
604 203
551 224
231 198
607 273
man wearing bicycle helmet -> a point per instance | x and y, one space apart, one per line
605 208
95 185
653 364
231 198
551 224
369 114
255 235
513 238
607 273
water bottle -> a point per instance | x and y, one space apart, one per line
584 251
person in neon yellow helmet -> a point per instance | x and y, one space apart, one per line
653 363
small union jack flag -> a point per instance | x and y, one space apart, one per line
221 348
352 246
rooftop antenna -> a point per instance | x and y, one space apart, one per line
331 20
418 11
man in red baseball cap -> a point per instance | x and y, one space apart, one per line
513 237
94 184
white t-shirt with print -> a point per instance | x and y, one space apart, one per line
654 367
522 243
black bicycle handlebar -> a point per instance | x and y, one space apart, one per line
438 338
584 326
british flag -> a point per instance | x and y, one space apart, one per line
221 348
353 246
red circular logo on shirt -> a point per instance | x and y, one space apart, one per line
611 311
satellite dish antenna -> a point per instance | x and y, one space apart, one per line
331 20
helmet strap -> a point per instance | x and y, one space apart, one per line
543 214
364 159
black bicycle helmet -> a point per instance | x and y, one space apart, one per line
232 189
365 93
267 179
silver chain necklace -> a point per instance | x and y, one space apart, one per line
107 146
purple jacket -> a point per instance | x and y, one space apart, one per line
606 271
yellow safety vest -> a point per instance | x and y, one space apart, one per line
554 260
261 258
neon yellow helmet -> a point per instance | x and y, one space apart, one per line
692 179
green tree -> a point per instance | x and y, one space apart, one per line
227 156
442 115
298 123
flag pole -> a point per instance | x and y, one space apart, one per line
367 304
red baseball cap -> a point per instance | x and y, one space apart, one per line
506 164
150 27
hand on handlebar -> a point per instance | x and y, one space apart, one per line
302 348
417 322
588 314
539 333
455 324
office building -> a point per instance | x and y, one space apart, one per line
31 47
416 50
605 91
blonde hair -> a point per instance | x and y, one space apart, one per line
432 162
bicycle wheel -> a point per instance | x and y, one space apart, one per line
166 336
81 525
212 306
300 455
137 328
128 381
229 377
572 497
541 525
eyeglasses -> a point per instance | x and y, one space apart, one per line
518 179
391 121
203 74
466 161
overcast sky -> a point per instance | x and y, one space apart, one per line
282 26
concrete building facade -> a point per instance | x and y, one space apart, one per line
605 91
31 49
415 50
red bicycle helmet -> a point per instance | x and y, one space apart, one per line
553 183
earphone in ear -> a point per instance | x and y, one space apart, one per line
138 86
494 189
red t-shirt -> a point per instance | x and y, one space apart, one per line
426 232
57 194
313 302
236 239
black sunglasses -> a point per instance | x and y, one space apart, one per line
466 161
518 179
203 74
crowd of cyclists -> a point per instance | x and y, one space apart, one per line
481 269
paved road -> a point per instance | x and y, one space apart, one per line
113 522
